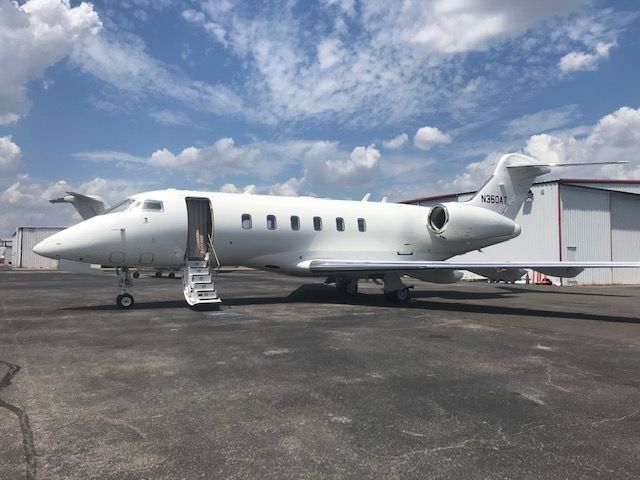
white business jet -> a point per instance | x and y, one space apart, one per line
345 241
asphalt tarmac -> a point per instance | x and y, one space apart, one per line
287 380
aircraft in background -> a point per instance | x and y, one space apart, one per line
345 241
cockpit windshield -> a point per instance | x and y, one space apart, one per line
131 204
121 207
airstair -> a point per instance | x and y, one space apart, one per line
198 282
201 261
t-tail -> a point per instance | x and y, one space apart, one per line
507 189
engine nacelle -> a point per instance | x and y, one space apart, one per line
461 222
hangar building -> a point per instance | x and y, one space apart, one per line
571 220
24 240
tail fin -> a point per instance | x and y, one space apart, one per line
507 189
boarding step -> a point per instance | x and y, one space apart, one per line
200 278
198 264
198 283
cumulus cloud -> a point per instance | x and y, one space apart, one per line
231 188
34 36
396 142
287 189
428 137
10 154
577 61
615 137
325 164
223 157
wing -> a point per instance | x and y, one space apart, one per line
556 269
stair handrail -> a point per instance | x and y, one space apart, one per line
213 250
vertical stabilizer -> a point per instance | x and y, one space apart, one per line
507 189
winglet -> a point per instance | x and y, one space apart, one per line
366 197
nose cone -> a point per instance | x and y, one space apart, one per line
49 247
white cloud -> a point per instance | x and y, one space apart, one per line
396 142
34 36
169 117
542 121
221 158
428 137
231 188
374 62
325 164
10 154
287 189
121 159
466 25
578 61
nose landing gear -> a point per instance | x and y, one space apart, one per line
125 281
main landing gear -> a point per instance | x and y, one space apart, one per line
394 289
125 281
347 287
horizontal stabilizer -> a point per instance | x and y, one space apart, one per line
572 164
87 205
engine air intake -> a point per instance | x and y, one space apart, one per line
438 218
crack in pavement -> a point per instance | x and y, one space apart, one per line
23 419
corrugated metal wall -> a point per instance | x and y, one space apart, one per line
586 231
26 238
625 235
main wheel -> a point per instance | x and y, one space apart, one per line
347 287
124 300
401 295
171 275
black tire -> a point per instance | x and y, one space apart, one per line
171 275
402 295
136 274
125 301
158 274
398 296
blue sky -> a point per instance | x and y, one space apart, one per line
330 97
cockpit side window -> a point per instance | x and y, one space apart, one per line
120 207
154 205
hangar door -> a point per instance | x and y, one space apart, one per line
586 232
625 235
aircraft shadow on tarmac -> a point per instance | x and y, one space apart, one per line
323 294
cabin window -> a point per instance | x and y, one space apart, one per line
246 221
152 205
340 224
271 222
295 222
317 223
362 225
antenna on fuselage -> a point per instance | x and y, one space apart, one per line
366 197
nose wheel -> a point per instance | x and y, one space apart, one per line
125 281
125 300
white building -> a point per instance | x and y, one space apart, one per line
571 220
24 240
